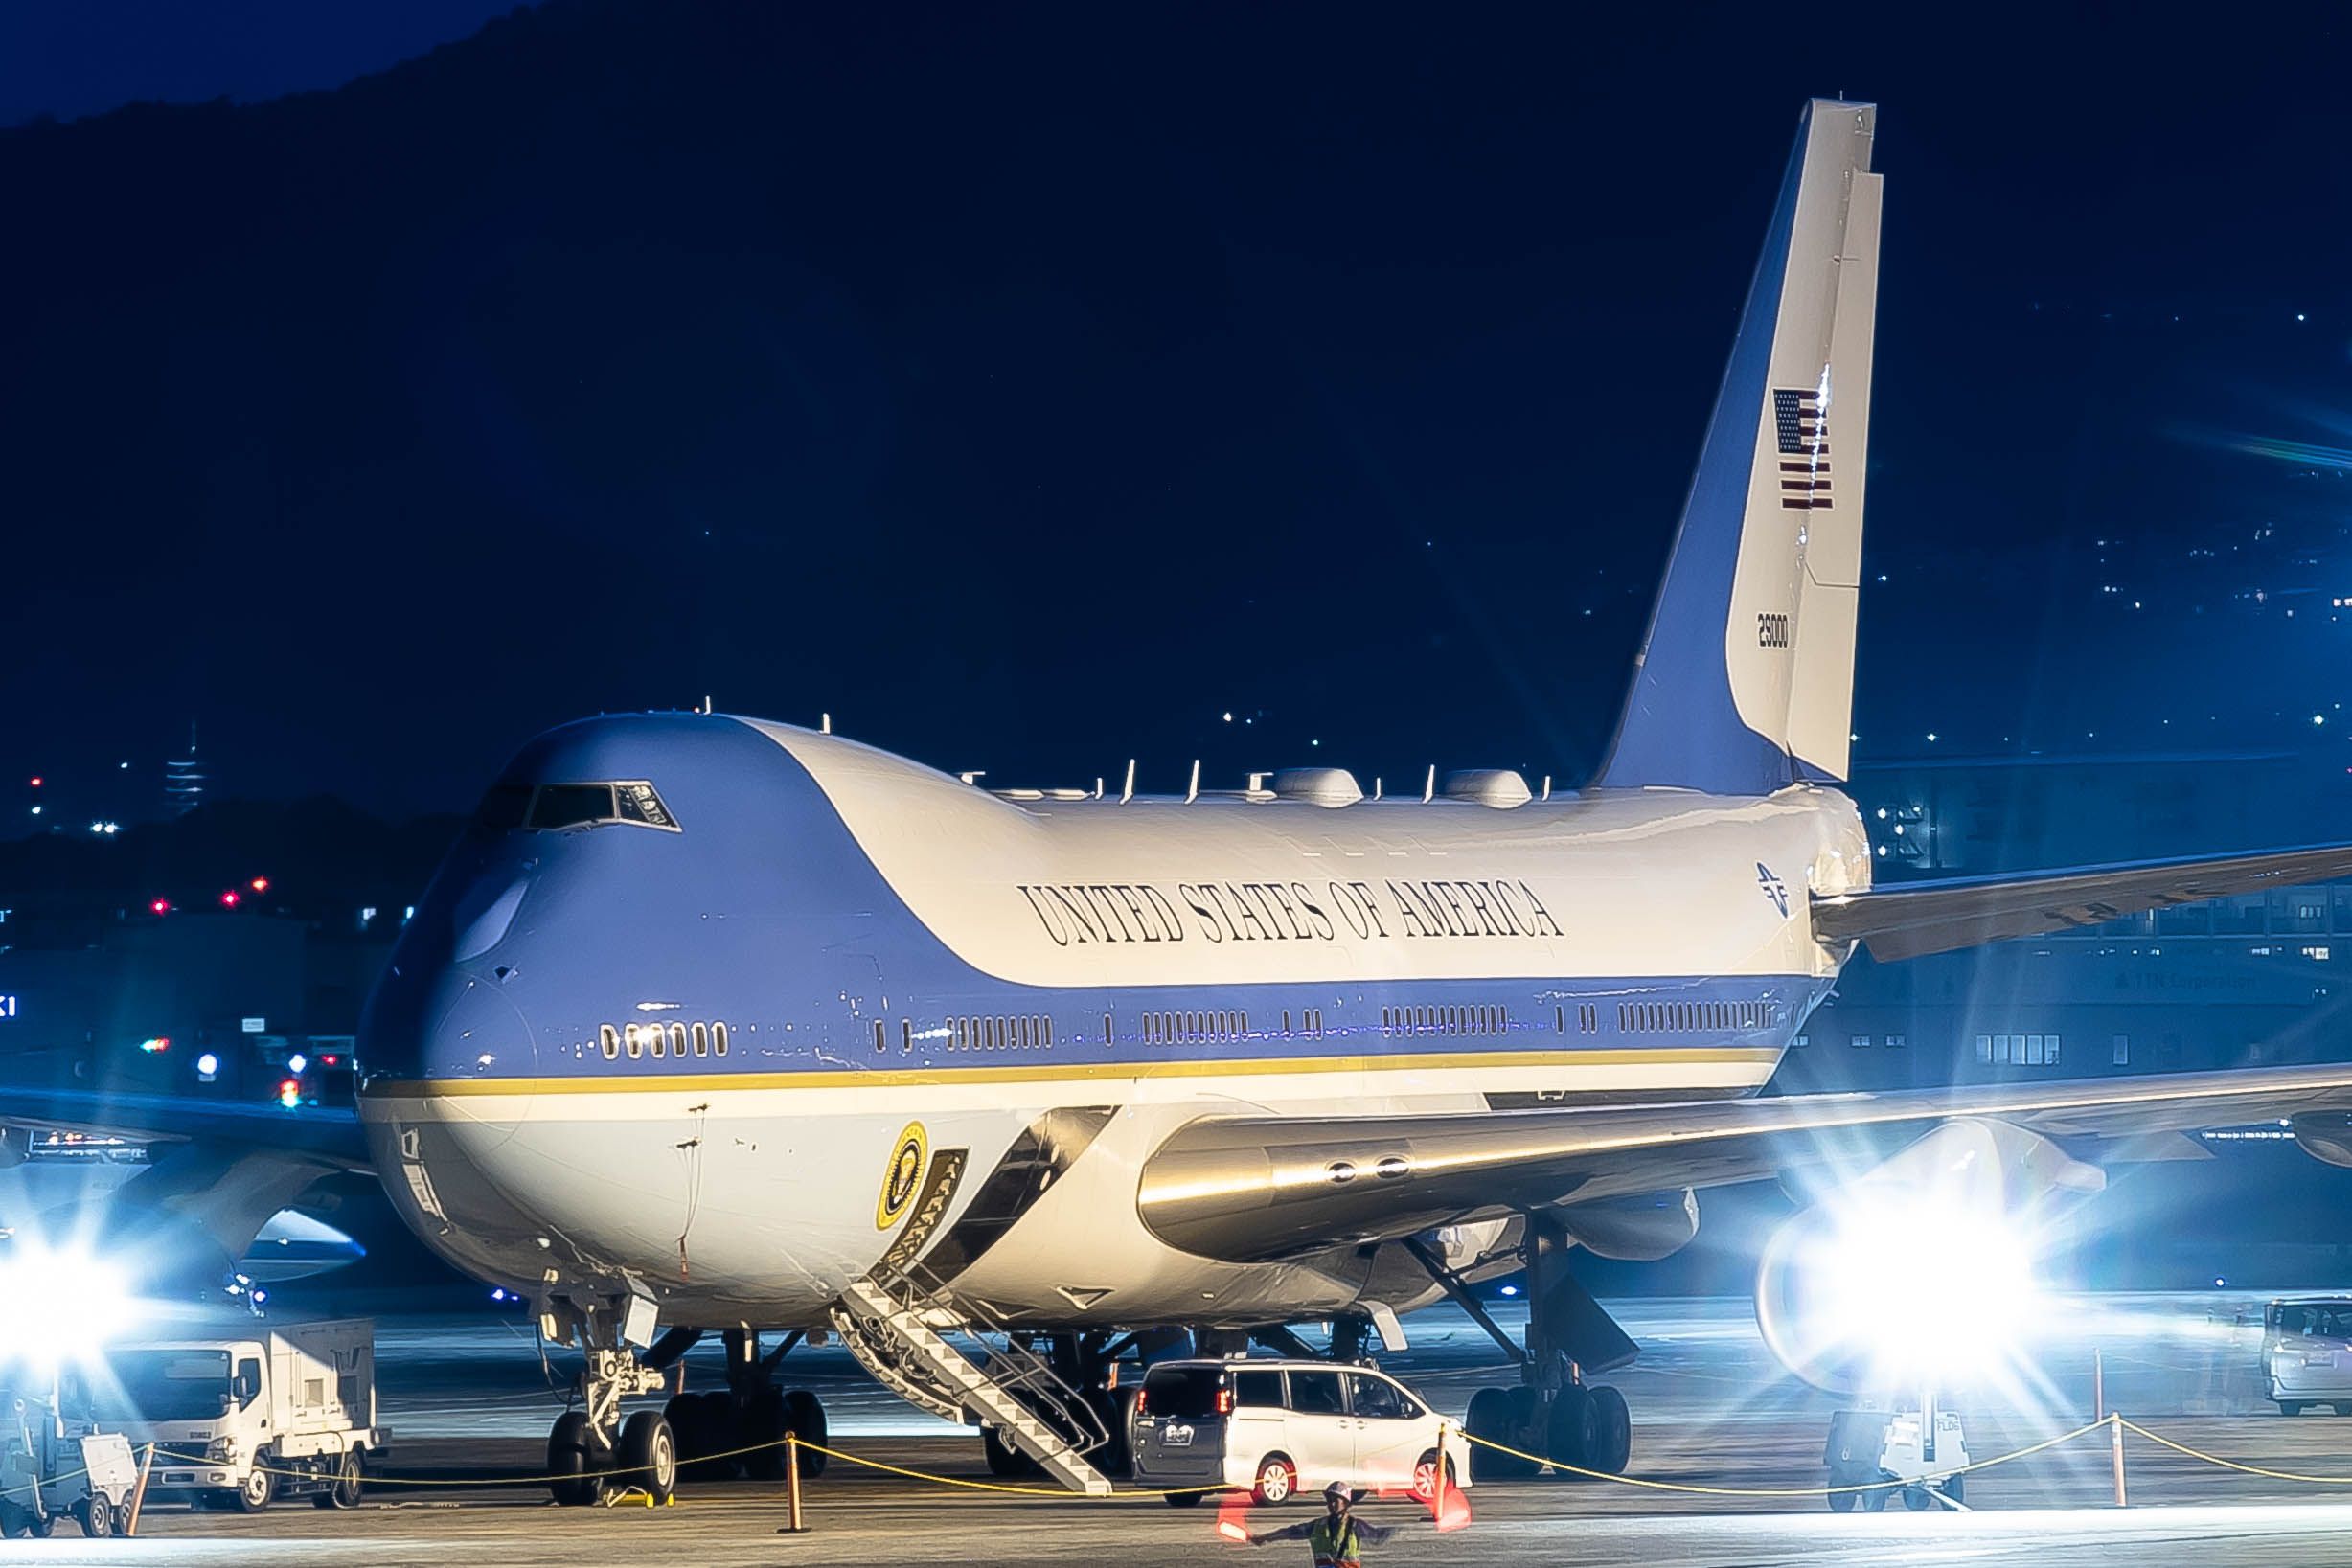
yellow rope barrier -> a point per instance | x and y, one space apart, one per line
1057 1492
1060 1494
1783 1492
2231 1464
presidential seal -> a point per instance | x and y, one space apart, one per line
905 1171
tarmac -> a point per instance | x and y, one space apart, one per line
467 1402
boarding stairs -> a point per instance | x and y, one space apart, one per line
894 1339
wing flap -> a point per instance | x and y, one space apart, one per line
1254 1189
327 1136
1899 922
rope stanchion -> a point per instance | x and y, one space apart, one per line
795 1523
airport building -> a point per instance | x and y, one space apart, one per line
2257 979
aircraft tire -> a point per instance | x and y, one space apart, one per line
650 1455
1570 1428
1612 1426
765 1419
570 1460
1005 1462
805 1413
1489 1420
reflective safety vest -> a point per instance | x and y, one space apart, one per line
1334 1543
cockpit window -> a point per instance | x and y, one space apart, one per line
639 804
503 809
571 805
554 807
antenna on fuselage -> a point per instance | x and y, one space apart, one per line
706 705
974 776
1098 787
1428 792
824 723
1548 787
1127 791
1192 791
1376 786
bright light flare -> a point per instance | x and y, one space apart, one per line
1914 1288
59 1306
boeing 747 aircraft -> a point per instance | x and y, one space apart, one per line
712 1025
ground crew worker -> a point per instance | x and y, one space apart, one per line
1335 1539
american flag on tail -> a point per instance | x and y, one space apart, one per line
1803 432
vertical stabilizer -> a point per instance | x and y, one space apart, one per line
1746 679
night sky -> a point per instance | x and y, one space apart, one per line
1033 388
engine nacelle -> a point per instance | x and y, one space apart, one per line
1918 1267
1635 1230
2326 1136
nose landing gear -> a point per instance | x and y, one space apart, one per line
591 1449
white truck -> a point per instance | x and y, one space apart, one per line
246 1412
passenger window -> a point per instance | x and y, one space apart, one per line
678 1039
571 805
609 1040
634 1039
719 1039
1377 1398
1316 1394
702 1041
1258 1390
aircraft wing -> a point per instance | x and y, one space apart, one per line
320 1135
1252 1189
1907 921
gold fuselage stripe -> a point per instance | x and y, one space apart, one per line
653 1081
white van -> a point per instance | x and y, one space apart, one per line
2307 1352
1276 1429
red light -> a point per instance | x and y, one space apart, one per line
36 781
160 906
1224 1401
261 884
330 1060
228 899
1140 1400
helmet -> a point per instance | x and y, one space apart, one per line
1341 1491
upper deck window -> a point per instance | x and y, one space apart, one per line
554 807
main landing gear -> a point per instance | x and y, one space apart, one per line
741 1429
1553 1412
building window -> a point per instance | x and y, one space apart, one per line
2018 1050
1861 1043
1896 1042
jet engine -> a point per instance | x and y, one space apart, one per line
1922 1267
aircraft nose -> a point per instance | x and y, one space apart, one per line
480 1034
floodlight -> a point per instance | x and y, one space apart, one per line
59 1306
1905 1286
